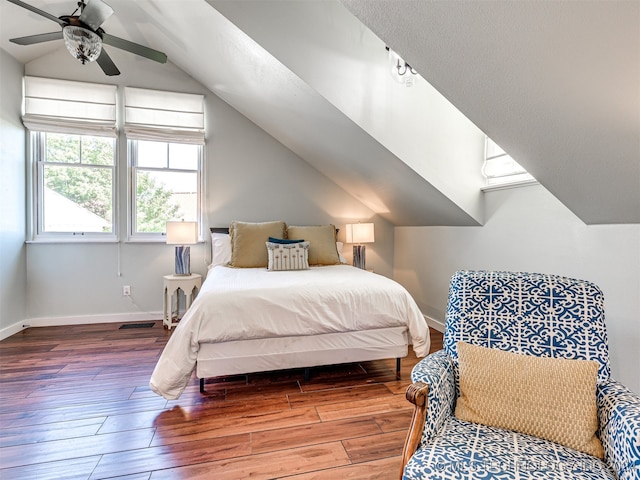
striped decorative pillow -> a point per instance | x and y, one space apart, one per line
288 256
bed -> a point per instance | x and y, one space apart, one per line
247 320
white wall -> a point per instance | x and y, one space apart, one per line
249 176
528 229
13 283
340 58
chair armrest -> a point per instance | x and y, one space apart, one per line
619 416
436 370
434 394
416 394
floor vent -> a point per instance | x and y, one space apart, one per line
137 325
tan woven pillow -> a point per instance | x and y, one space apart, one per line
550 398
248 240
322 243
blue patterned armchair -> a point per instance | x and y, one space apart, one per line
533 314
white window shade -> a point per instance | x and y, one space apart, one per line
164 116
500 169
63 106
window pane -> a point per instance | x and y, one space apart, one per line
165 196
183 156
152 154
493 150
98 150
77 199
62 148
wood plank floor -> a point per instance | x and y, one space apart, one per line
75 404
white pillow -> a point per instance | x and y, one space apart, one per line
340 246
220 249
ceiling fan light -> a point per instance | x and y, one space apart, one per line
82 43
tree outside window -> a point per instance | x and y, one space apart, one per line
76 177
166 180
77 188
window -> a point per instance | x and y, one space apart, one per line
74 183
165 186
165 132
73 150
501 170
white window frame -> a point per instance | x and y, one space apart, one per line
132 155
171 117
37 152
53 105
501 170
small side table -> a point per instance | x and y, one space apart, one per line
172 286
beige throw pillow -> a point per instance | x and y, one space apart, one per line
322 243
248 242
550 398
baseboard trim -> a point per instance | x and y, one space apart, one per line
433 323
6 332
118 317
78 320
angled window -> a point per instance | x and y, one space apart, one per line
73 144
165 136
501 170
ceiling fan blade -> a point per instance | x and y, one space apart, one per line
106 64
136 48
33 39
95 13
62 23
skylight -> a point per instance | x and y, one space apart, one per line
501 170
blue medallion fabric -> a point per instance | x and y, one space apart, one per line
532 314
619 416
464 450
528 313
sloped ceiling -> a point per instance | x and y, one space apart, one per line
554 83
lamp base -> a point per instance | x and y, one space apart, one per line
359 256
183 266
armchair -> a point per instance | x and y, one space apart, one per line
531 314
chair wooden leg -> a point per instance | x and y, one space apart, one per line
416 394
202 385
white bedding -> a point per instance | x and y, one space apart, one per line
251 303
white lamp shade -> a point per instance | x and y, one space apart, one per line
182 233
359 233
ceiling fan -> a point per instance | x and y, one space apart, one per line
83 36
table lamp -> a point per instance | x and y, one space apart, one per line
359 233
182 234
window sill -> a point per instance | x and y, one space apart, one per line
504 186
49 240
162 241
84 239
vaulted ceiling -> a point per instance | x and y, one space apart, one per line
556 84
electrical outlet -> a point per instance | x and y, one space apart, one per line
126 291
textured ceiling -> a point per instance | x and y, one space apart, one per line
555 83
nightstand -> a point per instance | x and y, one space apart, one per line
171 288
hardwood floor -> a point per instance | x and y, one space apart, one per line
75 404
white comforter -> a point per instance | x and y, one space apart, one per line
247 303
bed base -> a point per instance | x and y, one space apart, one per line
283 353
307 374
